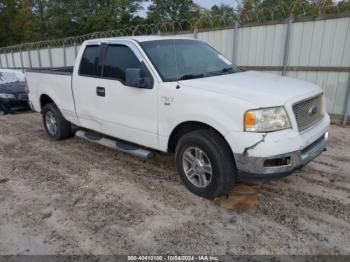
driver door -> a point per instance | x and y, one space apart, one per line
125 112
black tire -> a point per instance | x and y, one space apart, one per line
63 127
223 167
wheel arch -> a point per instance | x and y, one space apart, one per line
44 100
189 126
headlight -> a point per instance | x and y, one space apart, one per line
266 120
7 96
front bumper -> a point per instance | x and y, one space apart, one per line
260 168
11 105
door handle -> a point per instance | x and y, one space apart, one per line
100 91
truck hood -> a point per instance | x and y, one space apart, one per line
262 89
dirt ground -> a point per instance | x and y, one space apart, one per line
75 197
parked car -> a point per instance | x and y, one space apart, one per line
175 95
12 91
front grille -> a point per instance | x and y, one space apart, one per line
308 112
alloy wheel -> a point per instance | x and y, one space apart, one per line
197 167
51 123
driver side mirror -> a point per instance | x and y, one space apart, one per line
135 77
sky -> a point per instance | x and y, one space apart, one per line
203 3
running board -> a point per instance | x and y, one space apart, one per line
115 144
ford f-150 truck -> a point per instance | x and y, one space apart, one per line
170 94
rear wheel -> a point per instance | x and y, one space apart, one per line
55 125
205 163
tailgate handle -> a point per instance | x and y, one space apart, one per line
100 91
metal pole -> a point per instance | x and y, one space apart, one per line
75 49
1 65
7 61
287 46
21 58
29 58
64 56
346 105
50 56
235 43
195 33
13 59
39 57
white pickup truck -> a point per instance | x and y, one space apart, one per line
176 95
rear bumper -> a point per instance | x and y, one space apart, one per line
263 168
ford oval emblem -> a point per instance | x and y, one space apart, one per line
313 110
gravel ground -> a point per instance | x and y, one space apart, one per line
75 197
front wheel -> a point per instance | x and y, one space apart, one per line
205 163
55 125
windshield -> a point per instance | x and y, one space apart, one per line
183 59
11 77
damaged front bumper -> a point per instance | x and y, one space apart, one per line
260 156
258 168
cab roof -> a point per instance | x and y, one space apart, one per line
137 38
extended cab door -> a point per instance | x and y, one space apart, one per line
86 78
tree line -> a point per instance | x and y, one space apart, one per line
34 20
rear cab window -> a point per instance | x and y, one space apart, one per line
90 64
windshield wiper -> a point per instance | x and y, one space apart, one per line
226 70
190 76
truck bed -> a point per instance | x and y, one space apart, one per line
55 83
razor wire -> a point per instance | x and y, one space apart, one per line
141 29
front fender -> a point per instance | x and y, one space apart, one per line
224 114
